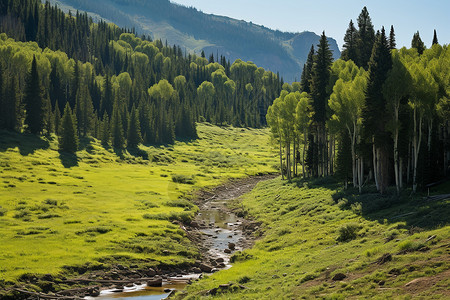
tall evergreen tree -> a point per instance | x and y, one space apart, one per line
134 129
417 43
366 38
435 39
319 83
374 112
349 51
392 44
307 71
68 139
105 130
118 140
33 101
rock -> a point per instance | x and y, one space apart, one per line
94 292
224 286
150 272
117 291
157 282
47 277
339 277
205 268
120 267
275 276
384 258
167 290
196 270
130 285
231 246
395 271
212 291
119 287
284 274
166 252
220 260
214 270
221 265
228 251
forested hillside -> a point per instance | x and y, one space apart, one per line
115 86
195 31
378 114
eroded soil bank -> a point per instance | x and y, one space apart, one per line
216 229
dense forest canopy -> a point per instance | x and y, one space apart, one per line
120 88
377 114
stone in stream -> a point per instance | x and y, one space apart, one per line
167 290
231 246
157 282
220 260
205 268
196 270
130 285
150 272
227 251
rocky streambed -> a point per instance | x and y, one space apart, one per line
217 230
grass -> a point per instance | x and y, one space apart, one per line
59 212
312 230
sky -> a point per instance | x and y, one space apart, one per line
407 16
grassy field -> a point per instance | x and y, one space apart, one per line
99 207
311 231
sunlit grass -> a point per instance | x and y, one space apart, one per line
302 248
59 210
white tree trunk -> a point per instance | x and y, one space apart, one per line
375 166
417 140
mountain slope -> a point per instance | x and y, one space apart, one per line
196 31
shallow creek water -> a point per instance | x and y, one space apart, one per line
218 227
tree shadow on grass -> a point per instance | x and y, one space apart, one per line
413 210
68 160
26 143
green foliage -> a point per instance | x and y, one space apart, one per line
347 232
68 138
180 178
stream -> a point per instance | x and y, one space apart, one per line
220 232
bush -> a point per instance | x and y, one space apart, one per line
179 178
2 211
410 246
348 232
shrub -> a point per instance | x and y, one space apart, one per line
179 178
179 203
410 246
348 232
2 211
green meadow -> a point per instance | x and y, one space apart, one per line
312 230
60 212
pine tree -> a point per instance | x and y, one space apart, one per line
319 79
33 101
374 112
392 43
435 39
107 97
57 116
350 44
307 71
68 139
417 43
319 83
105 130
366 38
3 102
117 138
134 129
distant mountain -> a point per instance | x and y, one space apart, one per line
196 31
